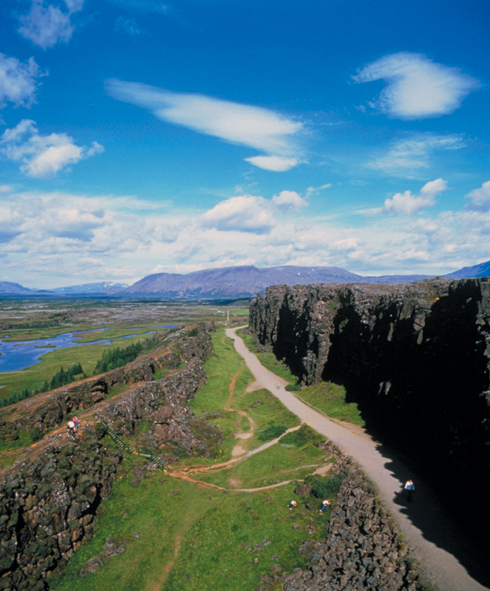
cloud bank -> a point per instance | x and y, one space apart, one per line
235 123
42 156
417 87
45 237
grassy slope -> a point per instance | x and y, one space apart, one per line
211 528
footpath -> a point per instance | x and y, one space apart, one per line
432 521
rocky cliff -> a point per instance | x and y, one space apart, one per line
49 499
415 357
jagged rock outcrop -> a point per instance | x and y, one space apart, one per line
415 357
47 508
53 407
363 549
48 501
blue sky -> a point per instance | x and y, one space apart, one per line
138 137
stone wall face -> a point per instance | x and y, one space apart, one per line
47 508
416 358
363 549
48 501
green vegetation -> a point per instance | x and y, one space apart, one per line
302 437
114 358
330 399
271 432
323 487
327 397
60 378
181 536
34 377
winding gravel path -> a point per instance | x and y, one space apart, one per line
425 525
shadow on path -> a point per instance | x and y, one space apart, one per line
427 514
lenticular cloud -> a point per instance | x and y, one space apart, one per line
418 88
246 125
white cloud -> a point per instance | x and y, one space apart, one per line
17 81
289 201
407 156
246 213
408 204
480 198
274 163
47 26
417 88
245 125
42 156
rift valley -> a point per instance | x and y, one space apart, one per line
169 484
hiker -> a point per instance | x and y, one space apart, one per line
75 422
71 428
292 504
410 488
325 504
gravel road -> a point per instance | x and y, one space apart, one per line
425 525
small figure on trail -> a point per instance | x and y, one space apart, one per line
325 504
292 504
410 488
71 428
75 422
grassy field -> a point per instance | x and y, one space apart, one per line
327 397
185 535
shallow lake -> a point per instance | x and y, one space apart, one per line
16 355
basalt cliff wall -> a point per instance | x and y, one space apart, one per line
416 358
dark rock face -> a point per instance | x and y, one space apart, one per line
47 508
363 549
416 358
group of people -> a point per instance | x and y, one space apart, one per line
325 504
409 487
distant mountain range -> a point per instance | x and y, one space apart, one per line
229 282
104 287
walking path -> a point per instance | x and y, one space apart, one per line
432 523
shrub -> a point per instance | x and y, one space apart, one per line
322 487
303 436
271 432
293 388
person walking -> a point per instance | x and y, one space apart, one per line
410 488
75 422
292 504
325 504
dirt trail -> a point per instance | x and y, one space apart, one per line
239 449
440 564
179 538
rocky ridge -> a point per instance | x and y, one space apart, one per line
415 357
49 499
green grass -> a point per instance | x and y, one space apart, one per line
327 397
34 377
330 399
213 530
